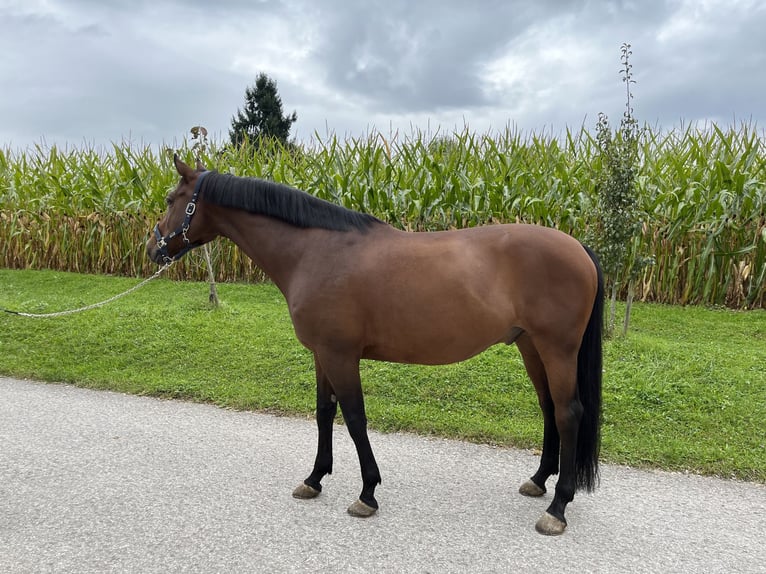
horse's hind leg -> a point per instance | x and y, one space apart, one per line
553 370
549 459
327 407
561 369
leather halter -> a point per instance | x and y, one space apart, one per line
191 208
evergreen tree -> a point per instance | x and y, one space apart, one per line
262 116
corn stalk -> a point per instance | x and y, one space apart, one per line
701 191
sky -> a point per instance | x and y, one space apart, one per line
96 72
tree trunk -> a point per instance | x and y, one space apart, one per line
628 305
612 310
211 276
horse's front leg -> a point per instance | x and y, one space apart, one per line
343 372
327 406
356 421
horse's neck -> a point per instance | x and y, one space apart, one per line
274 246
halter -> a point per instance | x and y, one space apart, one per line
191 208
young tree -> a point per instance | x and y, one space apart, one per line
618 215
262 115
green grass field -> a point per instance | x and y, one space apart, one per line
685 391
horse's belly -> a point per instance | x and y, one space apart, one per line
436 345
447 321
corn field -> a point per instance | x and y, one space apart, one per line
702 196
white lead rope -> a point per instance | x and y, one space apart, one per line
94 305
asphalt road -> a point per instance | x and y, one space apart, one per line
102 482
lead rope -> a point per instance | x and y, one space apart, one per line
94 305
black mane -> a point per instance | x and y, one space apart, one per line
282 202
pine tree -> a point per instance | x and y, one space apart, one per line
262 116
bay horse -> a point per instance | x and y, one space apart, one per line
357 288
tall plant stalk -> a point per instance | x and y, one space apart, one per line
199 137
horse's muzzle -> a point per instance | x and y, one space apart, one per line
153 252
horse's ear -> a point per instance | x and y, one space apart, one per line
201 166
183 170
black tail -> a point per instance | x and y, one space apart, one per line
589 389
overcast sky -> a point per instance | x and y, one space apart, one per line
100 71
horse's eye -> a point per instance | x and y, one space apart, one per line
169 201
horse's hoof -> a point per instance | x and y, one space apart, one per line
529 488
361 510
304 491
550 525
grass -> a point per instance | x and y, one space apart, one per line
685 391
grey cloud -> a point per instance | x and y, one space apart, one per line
93 81
417 56
420 56
103 70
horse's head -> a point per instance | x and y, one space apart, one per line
183 226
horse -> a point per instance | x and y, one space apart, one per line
358 288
